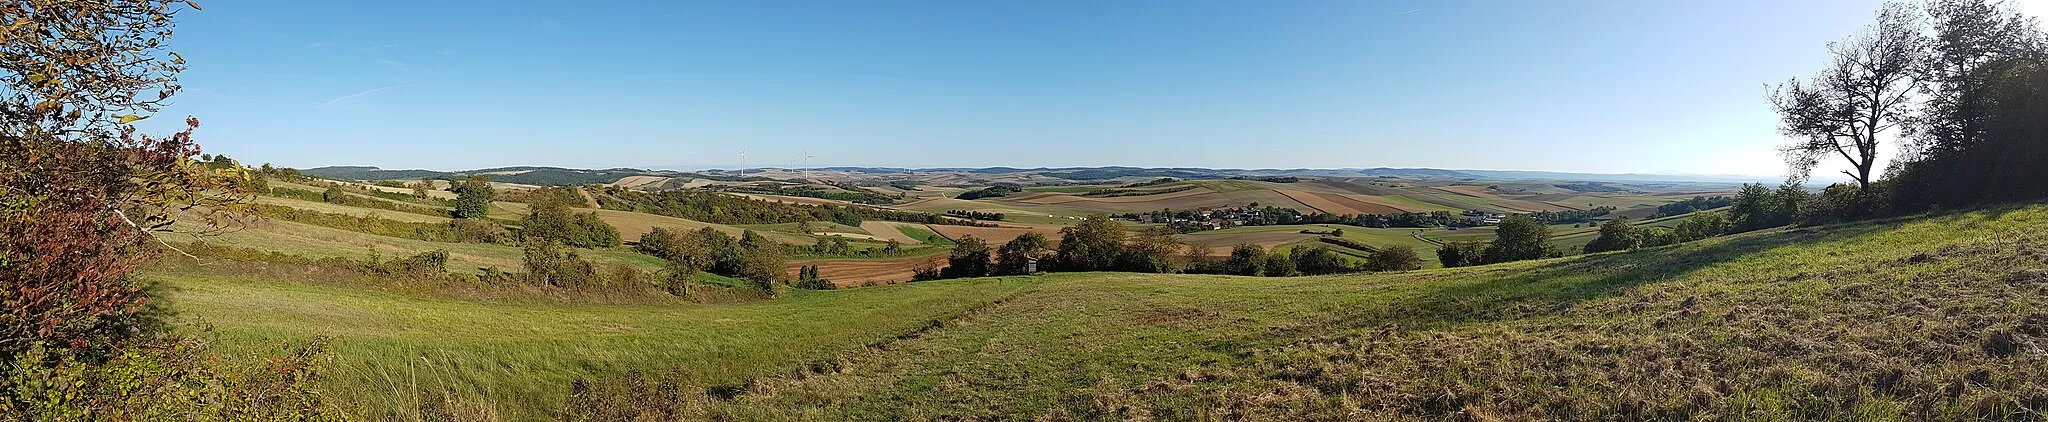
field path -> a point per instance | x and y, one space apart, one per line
589 201
1418 236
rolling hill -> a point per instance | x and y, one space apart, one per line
1941 317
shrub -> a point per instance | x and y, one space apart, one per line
1460 254
1317 260
1518 238
1094 245
969 259
1245 259
1394 258
473 197
808 278
173 379
1615 235
548 264
553 221
1278 265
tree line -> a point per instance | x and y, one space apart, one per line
1695 204
1964 83
997 190
977 215
721 208
1100 244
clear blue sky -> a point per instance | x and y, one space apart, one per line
1606 86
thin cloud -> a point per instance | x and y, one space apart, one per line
1409 11
550 23
359 94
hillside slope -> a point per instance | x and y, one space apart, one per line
1935 319
1943 317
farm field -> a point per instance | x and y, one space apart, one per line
1119 334
322 242
1335 196
847 273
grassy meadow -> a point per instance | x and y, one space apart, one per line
1650 334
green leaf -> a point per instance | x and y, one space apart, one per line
130 118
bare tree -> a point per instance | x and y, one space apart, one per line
1863 93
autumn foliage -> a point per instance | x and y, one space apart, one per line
81 190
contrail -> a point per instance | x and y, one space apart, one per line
359 94
1409 11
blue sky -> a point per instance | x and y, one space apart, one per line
1593 86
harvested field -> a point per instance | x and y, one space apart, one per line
855 273
995 235
791 199
1058 199
632 225
636 182
1340 204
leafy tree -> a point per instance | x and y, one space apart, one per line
1460 254
473 197
1615 235
1658 236
658 242
83 191
808 278
1518 238
762 265
1865 92
1701 226
1278 265
1094 245
1757 207
550 264
1014 256
552 220
1394 258
832 246
1980 140
1245 259
334 195
1317 260
1154 251
970 258
751 240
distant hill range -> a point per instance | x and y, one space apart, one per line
557 176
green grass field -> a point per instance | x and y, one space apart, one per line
523 354
1627 335
929 237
